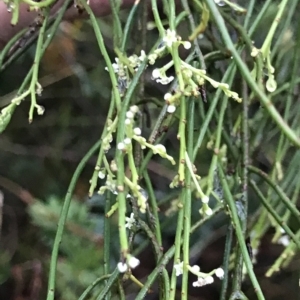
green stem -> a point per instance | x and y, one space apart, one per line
103 51
239 233
187 203
91 286
63 218
112 279
285 199
274 214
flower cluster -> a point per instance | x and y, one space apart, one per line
192 77
202 278
121 67
110 184
108 138
130 221
170 38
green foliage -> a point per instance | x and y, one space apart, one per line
81 260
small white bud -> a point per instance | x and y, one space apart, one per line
134 108
122 267
187 45
121 146
209 279
137 131
205 199
101 175
129 114
127 141
133 262
127 121
171 109
219 273
195 268
167 96
208 211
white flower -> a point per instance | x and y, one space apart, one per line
129 114
121 146
178 268
156 74
187 45
167 96
203 281
127 141
130 221
137 131
284 240
171 109
101 175
199 282
133 262
209 279
170 37
219 273
40 110
115 66
122 267
165 80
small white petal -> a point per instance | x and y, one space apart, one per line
133 262
122 267
178 268
165 80
137 131
156 74
209 279
195 268
127 121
